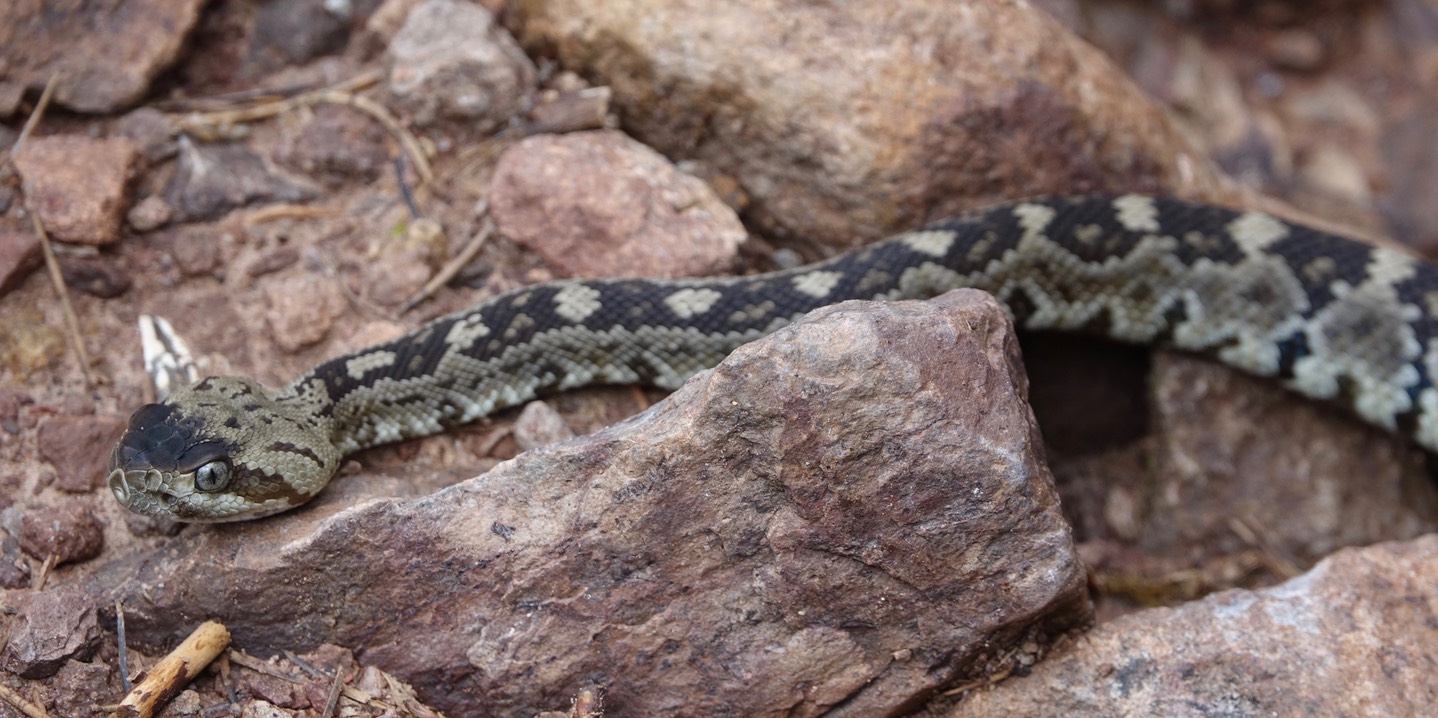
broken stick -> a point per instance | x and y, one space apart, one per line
175 671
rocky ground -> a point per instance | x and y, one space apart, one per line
858 515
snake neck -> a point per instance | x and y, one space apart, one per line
498 355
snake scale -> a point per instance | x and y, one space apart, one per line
1328 317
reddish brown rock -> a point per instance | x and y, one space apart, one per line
337 145
400 274
11 95
302 310
49 628
451 61
540 425
80 687
850 120
1323 482
12 400
1411 200
104 57
19 253
273 689
195 252
78 185
68 531
1354 636
74 445
848 516
598 204
1225 481
272 260
583 108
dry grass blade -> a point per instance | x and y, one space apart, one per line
46 567
35 116
52 265
333 700
286 211
452 268
406 140
1275 559
255 664
121 654
201 122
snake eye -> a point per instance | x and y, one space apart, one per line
213 476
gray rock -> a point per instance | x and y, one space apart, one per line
211 180
1411 156
599 204
101 277
848 515
297 31
80 687
450 61
337 145
151 130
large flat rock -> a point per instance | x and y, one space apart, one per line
848 515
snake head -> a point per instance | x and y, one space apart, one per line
222 449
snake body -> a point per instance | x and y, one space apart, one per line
1328 317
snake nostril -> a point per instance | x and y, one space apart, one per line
119 487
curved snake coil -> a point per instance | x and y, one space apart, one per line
1328 317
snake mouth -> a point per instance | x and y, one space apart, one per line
142 492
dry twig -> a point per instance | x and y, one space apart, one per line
32 710
175 671
211 103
